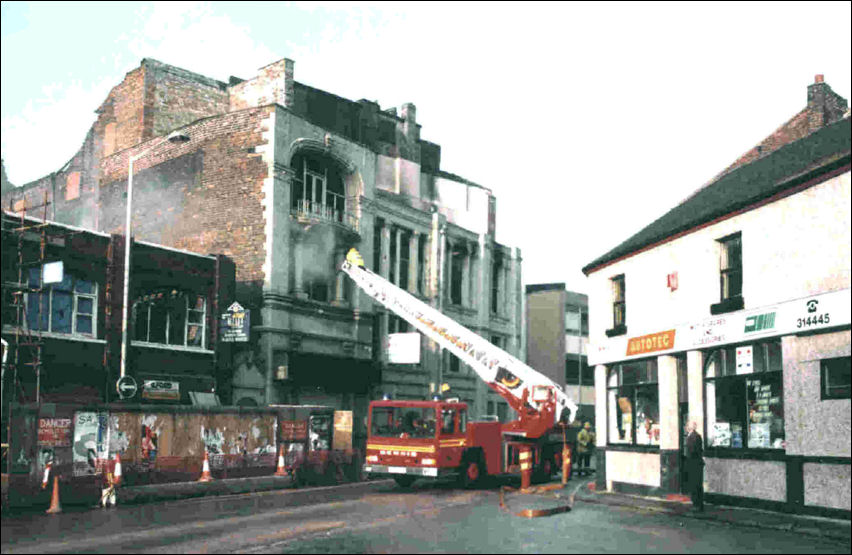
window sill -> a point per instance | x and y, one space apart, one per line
728 305
167 347
10 330
633 448
620 329
745 453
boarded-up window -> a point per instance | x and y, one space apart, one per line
19 206
72 186
109 139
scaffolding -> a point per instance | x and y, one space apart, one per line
17 226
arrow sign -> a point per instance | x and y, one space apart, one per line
126 387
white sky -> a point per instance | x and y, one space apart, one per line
588 121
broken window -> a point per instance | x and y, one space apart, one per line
65 307
496 273
170 317
318 188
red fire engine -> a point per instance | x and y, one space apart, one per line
429 439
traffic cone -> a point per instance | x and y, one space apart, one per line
280 470
205 470
117 473
54 500
44 480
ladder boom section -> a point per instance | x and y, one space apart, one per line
512 379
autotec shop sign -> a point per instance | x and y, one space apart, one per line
807 314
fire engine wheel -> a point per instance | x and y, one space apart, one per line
404 481
471 473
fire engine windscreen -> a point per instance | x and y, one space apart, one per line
403 422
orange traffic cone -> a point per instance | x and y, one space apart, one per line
205 470
280 470
117 472
54 500
46 477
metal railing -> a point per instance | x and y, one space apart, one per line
334 211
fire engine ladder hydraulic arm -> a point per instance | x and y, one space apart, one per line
539 402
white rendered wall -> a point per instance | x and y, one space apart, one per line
792 248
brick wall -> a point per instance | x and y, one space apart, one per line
178 97
203 196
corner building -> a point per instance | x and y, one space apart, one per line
733 311
284 178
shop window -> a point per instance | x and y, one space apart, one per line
835 378
619 307
730 275
66 307
170 317
745 402
633 403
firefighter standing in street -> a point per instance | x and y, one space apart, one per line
585 444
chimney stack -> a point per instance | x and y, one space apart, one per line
824 105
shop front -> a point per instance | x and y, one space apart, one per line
768 389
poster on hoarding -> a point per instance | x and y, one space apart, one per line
90 442
54 432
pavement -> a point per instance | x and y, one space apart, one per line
681 507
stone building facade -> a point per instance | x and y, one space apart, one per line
284 178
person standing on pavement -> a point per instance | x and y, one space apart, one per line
695 466
585 444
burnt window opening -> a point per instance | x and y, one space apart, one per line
496 273
393 257
421 264
456 275
66 307
318 189
170 317
377 244
318 291
404 258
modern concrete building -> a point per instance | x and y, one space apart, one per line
284 179
557 324
733 310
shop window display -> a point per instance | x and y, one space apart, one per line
745 402
633 403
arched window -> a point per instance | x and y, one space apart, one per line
318 188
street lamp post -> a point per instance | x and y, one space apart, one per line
174 137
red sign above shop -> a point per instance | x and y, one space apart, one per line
660 341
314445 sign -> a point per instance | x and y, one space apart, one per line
234 325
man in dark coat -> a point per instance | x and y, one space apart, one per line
695 466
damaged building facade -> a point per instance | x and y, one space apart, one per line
284 178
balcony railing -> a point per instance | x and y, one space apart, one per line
333 211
